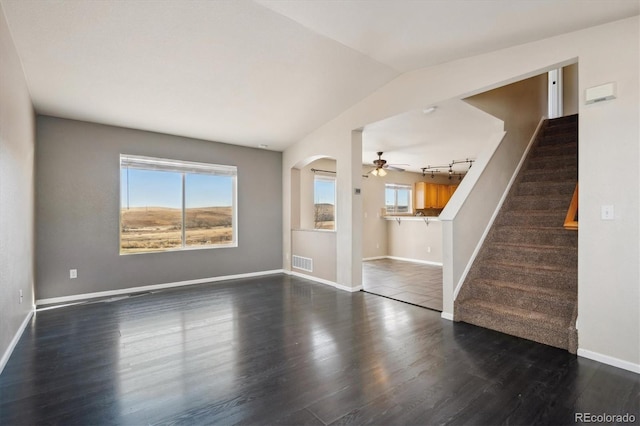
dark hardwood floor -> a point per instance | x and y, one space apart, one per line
409 282
283 350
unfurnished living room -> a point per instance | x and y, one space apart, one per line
319 212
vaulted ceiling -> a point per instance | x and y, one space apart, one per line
257 72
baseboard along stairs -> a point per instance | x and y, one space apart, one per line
524 281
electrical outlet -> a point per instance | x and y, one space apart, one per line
73 273
429 249
377 245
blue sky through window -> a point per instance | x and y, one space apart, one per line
324 191
152 188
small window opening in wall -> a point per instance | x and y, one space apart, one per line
397 198
176 205
324 202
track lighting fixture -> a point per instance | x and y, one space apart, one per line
449 167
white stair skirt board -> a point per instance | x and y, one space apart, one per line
447 316
87 296
16 339
323 281
497 209
609 360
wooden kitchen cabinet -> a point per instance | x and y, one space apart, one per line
443 196
432 195
426 195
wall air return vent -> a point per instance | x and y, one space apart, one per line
304 263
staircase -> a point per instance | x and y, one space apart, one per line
524 281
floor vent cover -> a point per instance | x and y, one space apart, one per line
304 263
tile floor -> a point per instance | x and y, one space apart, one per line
405 281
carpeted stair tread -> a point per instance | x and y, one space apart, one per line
531 218
558 149
561 294
559 136
531 268
539 278
550 256
511 311
534 234
534 247
538 203
546 188
544 300
539 327
555 175
556 161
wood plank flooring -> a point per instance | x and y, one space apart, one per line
409 282
283 350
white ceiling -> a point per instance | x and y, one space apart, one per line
257 72
416 139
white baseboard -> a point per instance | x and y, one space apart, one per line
609 360
366 259
87 296
447 316
15 340
406 259
323 281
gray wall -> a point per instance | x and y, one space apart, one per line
77 210
17 139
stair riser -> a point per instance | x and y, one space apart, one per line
529 331
565 128
555 150
524 300
551 257
557 141
557 175
558 280
538 203
559 237
537 188
555 162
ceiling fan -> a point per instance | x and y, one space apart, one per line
381 165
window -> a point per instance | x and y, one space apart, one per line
397 198
324 202
176 205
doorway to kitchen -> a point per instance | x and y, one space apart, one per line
410 282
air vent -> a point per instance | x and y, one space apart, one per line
304 263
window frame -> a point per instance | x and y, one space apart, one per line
184 168
395 187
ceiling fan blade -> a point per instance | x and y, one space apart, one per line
398 169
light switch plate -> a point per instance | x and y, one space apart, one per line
606 212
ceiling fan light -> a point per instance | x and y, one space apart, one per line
374 172
382 172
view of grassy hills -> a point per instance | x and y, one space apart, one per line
324 216
146 229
